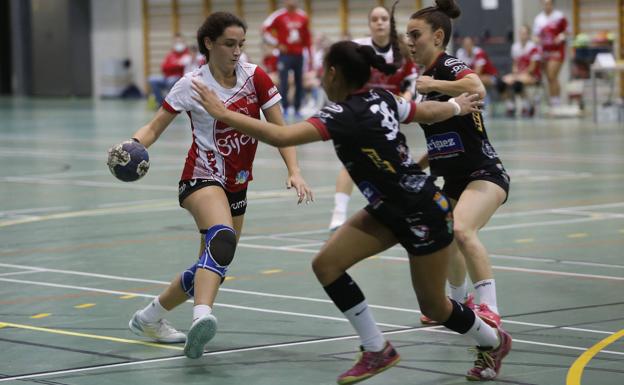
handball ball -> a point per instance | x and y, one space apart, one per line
128 161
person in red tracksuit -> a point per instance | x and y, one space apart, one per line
288 30
172 69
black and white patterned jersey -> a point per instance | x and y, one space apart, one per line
460 145
367 140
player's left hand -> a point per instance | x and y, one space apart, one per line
301 187
209 100
425 84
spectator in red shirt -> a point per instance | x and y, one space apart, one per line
172 69
478 60
288 30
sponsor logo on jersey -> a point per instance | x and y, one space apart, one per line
420 231
242 176
370 193
488 150
443 144
413 183
272 91
242 110
232 142
380 163
441 201
253 98
335 108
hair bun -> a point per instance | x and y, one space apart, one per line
449 8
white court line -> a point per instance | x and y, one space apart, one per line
21 272
256 348
260 294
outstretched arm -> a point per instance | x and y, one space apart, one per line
433 112
273 134
150 132
469 83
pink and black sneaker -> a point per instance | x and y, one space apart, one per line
487 315
369 364
489 360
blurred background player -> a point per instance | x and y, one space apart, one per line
526 72
385 41
288 30
172 69
549 30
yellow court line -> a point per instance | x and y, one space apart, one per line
576 370
84 306
93 336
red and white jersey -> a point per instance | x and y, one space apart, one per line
219 152
547 27
407 73
523 56
289 29
479 58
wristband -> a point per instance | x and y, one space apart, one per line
455 106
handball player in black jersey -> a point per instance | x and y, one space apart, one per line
458 149
404 205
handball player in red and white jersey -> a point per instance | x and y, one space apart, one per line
549 30
216 173
386 43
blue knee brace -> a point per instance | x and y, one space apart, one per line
216 257
219 251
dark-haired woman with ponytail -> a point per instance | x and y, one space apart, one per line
385 41
404 205
458 150
217 171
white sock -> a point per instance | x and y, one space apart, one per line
362 320
486 290
459 293
200 311
153 312
341 202
484 334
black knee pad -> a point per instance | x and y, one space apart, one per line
518 87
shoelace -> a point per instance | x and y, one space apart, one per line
484 358
372 359
164 325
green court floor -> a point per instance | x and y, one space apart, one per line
81 251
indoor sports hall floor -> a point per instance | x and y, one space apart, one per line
81 251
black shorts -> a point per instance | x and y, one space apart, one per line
426 229
237 200
455 186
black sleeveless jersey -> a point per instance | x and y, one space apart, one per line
458 146
367 140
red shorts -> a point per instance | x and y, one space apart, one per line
554 54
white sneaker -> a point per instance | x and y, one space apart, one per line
202 330
160 331
337 219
